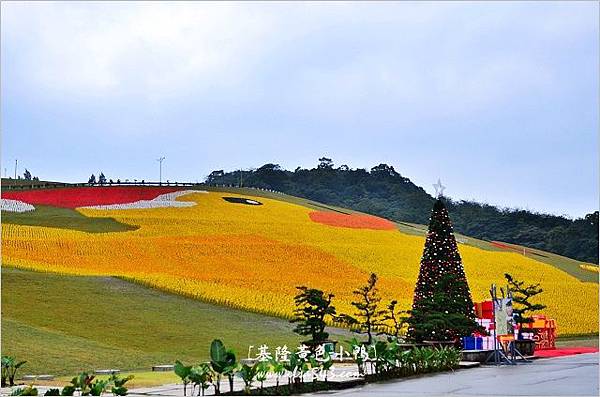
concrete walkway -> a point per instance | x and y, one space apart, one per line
564 376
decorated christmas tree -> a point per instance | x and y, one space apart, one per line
442 307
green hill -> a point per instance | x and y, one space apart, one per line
64 324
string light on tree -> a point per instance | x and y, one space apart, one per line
442 305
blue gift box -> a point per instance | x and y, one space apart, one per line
472 343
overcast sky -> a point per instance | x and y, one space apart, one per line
499 100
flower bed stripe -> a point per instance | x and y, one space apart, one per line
15 206
88 196
354 221
163 201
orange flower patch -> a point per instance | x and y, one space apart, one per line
354 221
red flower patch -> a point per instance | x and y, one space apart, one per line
73 197
354 221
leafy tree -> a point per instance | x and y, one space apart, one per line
101 179
92 179
442 306
312 306
396 317
521 295
214 176
27 175
440 316
325 163
368 317
384 170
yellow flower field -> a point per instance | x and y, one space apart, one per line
253 256
590 268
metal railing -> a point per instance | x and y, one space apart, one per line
53 185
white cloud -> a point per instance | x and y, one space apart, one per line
426 55
141 48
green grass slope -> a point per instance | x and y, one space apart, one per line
64 324
65 218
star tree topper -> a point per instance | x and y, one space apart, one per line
439 188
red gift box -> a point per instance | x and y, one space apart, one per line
484 309
545 332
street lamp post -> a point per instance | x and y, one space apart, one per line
160 160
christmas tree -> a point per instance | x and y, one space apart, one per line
442 307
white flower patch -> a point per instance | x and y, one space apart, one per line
163 201
15 206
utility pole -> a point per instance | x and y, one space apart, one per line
160 160
16 162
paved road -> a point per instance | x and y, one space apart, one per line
564 376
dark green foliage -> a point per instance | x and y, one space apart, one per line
442 307
83 382
223 362
384 192
183 371
98 386
101 179
201 376
368 317
27 175
52 392
118 384
67 390
441 316
312 306
392 360
521 295
92 179
10 367
248 373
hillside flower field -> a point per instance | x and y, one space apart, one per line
253 256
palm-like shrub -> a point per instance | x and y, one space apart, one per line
262 370
278 368
389 359
223 362
10 367
247 373
83 383
201 376
183 371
